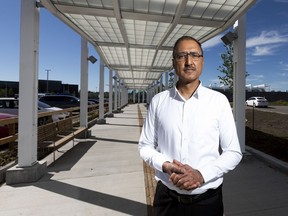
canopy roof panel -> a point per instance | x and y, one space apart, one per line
135 37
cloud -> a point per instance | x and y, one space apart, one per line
284 66
279 85
265 38
255 78
266 43
283 74
260 76
264 50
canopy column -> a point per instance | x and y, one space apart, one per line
110 114
28 168
139 92
161 83
84 84
101 119
143 97
115 94
134 95
239 77
166 80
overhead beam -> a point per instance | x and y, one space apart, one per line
118 17
139 68
136 46
128 78
137 16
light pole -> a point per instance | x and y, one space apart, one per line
47 70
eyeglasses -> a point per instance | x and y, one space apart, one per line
183 56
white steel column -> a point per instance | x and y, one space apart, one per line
239 77
143 97
138 100
110 91
28 169
28 84
125 95
161 83
119 94
134 95
110 114
115 93
84 84
101 94
156 87
166 80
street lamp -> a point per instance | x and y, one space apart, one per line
47 70
229 38
92 59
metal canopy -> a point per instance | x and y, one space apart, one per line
135 37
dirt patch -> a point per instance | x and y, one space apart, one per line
268 132
268 122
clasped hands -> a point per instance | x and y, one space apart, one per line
183 176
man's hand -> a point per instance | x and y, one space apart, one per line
186 177
170 168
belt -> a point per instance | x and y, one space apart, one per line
189 199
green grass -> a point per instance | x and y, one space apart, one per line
279 103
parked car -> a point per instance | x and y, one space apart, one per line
95 101
4 130
55 117
11 105
257 102
61 101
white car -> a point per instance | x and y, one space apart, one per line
257 102
43 107
10 105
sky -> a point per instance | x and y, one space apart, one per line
59 48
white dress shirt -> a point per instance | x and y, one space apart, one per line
191 131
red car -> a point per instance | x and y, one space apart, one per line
4 130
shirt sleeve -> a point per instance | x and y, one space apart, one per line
148 140
231 153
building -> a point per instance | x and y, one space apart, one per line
10 88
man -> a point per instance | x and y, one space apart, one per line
189 137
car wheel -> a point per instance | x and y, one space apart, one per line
42 121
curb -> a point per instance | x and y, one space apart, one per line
272 161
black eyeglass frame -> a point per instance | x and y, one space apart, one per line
184 56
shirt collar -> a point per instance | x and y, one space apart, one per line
197 94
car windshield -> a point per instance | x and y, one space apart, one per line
43 105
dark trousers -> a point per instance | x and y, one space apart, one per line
166 203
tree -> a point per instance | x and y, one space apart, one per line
227 67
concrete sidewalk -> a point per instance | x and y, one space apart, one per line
254 188
103 175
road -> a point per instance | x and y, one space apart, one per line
276 109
